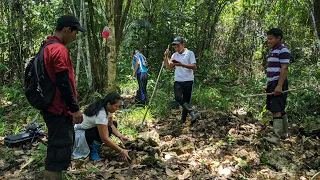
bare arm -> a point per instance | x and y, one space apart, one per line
169 64
192 62
115 131
189 66
104 135
283 74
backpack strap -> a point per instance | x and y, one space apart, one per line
41 53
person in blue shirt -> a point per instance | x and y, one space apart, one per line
140 71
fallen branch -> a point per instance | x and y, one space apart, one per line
283 92
315 175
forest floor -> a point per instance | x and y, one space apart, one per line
221 145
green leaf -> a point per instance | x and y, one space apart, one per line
42 168
93 169
42 147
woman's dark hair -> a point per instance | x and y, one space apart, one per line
94 108
276 32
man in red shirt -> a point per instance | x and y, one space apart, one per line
64 111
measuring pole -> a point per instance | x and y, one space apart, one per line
155 87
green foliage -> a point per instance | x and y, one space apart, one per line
159 105
15 111
2 129
93 169
230 139
242 163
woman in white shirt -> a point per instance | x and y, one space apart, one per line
97 127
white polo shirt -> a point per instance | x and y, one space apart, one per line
182 74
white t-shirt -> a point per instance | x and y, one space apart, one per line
80 147
182 74
92 121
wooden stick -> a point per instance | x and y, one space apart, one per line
267 94
155 87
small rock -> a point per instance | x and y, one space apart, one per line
281 161
150 161
311 173
242 153
18 153
151 137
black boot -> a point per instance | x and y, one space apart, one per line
183 116
192 113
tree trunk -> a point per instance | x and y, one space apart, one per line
116 21
20 61
78 56
120 20
87 63
111 43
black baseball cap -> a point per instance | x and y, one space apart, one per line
177 40
69 21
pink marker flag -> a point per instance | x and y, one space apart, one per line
106 33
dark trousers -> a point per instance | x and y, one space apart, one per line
277 103
183 92
142 82
93 134
60 141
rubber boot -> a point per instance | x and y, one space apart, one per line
285 126
94 149
50 175
183 116
278 131
192 113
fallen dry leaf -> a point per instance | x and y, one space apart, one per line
111 169
113 163
170 173
185 175
118 176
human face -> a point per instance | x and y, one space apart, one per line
273 41
179 48
68 35
113 108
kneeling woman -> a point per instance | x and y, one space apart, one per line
97 127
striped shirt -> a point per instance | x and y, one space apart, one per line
279 55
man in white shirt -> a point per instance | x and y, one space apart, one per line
184 62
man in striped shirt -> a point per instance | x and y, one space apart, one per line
278 62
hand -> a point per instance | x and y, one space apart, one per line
124 139
277 91
132 76
166 52
77 117
177 63
124 154
265 88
